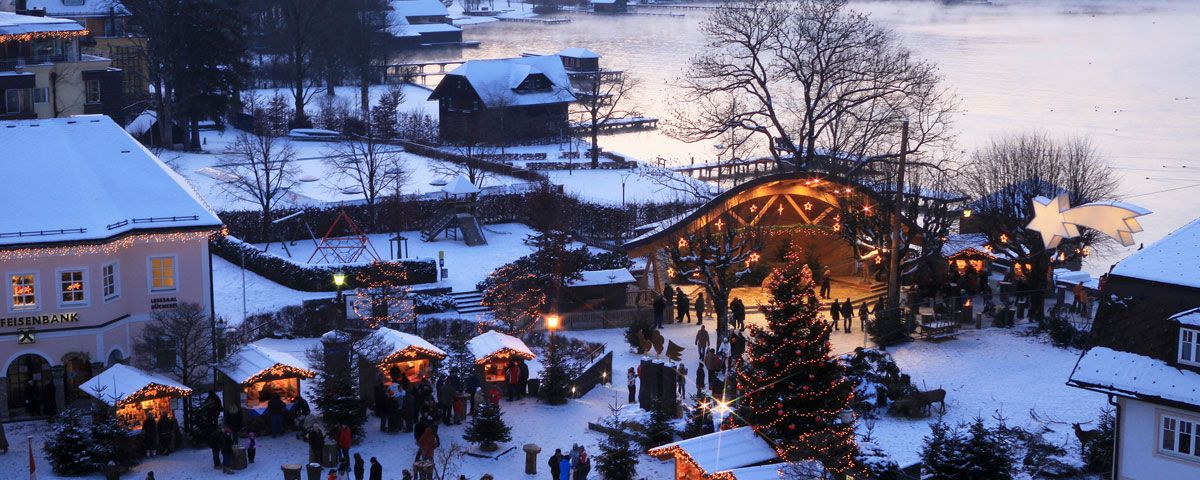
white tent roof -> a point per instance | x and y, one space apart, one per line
493 342
460 186
400 341
253 359
119 381
722 450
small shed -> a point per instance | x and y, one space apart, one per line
701 458
580 60
494 350
967 250
256 373
134 392
599 290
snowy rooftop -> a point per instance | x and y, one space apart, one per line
496 80
721 450
252 360
420 8
1190 317
119 382
1129 374
61 8
776 471
577 52
460 186
401 341
13 24
1172 259
115 184
962 242
493 342
603 277
400 26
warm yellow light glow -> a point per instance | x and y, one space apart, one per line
339 279
552 322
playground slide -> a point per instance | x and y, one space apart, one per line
472 233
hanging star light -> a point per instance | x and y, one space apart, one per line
1056 220
808 206
720 224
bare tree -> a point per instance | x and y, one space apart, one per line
177 343
370 166
812 80
1003 177
261 169
716 258
600 99
294 27
472 154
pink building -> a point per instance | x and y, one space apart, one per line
96 233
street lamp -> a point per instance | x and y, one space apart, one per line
339 279
552 321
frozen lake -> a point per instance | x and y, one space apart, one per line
1123 73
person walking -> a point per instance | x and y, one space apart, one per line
660 306
632 376
214 444
668 296
358 466
343 442
564 468
376 470
825 283
446 401
251 447
427 444
700 377
556 464
228 440
150 434
863 312
683 307
835 312
701 341
523 384
700 308
168 432
682 381
847 314
738 310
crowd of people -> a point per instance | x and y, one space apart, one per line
574 465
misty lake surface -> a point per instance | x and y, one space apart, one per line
1125 74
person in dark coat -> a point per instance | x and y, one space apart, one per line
211 408
847 314
660 306
251 446
214 444
409 410
358 466
835 312
683 306
700 308
233 418
523 385
316 444
668 296
738 310
556 464
150 434
276 407
825 283
583 465
376 470
632 377
168 430
700 377
863 312
379 394
228 440
472 387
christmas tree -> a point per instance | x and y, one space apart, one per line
556 381
700 419
799 387
619 454
80 444
487 428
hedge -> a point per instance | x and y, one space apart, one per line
310 278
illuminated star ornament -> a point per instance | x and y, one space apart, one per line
1056 220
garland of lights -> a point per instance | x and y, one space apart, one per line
412 352
504 352
109 248
797 390
382 279
51 35
279 371
153 391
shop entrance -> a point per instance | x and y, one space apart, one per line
30 386
76 371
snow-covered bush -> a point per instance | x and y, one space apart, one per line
877 379
966 452
1098 453
423 303
876 461
79 443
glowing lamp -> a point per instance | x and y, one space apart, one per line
339 279
967 213
552 322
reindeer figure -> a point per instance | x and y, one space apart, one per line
1084 436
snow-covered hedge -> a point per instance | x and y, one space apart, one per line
423 303
310 278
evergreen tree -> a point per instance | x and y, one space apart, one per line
80 444
799 387
385 114
556 380
618 458
700 420
1098 453
488 428
337 391
659 431
952 454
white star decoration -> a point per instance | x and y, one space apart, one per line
1056 220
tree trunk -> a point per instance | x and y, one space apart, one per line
364 91
266 223
194 127
595 139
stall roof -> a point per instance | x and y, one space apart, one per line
493 342
592 278
120 382
774 471
718 451
252 360
400 341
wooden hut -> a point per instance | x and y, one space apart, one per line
711 456
134 392
255 373
494 350
967 250
409 356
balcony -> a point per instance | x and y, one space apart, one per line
11 63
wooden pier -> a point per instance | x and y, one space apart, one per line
619 124
419 71
734 169
544 21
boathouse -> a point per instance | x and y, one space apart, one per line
504 100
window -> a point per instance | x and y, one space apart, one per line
1189 346
1179 437
93 91
71 287
24 291
18 100
108 281
41 95
162 273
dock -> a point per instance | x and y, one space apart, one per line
544 21
619 124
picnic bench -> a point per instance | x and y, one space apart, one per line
935 325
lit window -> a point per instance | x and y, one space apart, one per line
24 291
1179 437
108 280
162 273
93 91
71 289
1189 346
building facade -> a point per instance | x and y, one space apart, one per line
44 73
83 272
505 100
1146 357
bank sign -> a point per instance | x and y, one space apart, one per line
36 320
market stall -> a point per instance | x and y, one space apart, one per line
135 393
255 374
411 356
493 351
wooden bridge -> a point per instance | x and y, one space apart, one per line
544 21
419 71
734 169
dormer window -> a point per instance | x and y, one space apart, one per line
1189 346
535 82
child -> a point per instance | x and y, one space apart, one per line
251 444
332 475
344 469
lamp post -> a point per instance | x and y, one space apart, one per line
218 325
339 279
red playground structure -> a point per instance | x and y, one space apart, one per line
343 249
